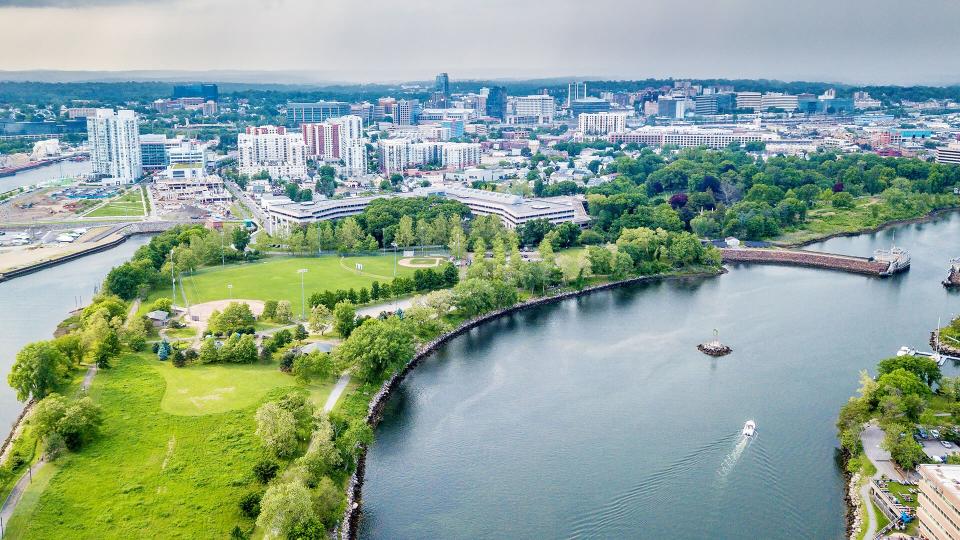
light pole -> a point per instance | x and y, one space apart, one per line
230 290
394 244
303 308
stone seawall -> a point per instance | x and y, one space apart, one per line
348 529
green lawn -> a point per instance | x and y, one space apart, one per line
151 472
213 389
127 204
185 332
571 260
276 278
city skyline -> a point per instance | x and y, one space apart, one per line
740 39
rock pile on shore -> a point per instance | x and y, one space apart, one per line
953 279
856 510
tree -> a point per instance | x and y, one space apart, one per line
284 506
344 317
39 368
106 349
284 312
76 423
300 333
622 266
269 310
457 241
135 333
240 237
316 365
236 318
377 347
901 382
322 456
209 354
321 317
405 236
601 260
923 367
245 351
276 427
163 350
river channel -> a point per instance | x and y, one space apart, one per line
31 307
598 418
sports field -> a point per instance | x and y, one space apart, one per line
129 203
276 278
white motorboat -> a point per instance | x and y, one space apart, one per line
749 428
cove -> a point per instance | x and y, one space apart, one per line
596 417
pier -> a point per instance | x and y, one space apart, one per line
810 259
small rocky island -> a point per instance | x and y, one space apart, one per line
953 278
714 348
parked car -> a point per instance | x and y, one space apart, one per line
922 432
935 433
946 444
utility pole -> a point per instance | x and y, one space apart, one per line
230 290
394 244
303 307
173 280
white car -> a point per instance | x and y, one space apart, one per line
935 433
946 444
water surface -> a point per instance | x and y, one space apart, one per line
31 307
598 418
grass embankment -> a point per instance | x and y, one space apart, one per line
276 278
173 458
129 203
868 213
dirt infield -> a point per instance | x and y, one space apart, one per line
420 262
203 311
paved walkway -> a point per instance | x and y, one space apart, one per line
373 311
871 514
337 391
871 438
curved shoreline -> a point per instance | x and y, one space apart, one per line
348 528
929 216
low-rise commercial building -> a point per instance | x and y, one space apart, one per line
513 210
690 136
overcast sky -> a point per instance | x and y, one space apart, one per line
856 41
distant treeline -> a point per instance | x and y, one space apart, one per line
110 93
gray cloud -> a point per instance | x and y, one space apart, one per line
72 3
877 41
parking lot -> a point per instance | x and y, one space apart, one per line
935 448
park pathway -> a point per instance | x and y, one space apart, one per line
10 504
337 391
871 515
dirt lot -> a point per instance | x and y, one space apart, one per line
40 206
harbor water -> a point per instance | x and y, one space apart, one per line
598 418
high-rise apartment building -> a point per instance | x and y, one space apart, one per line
535 109
115 145
337 139
299 113
397 155
272 149
602 123
405 112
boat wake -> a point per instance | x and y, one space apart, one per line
610 519
729 462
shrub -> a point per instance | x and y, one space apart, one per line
250 504
264 470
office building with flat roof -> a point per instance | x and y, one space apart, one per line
299 113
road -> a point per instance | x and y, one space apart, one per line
871 438
337 391
13 499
